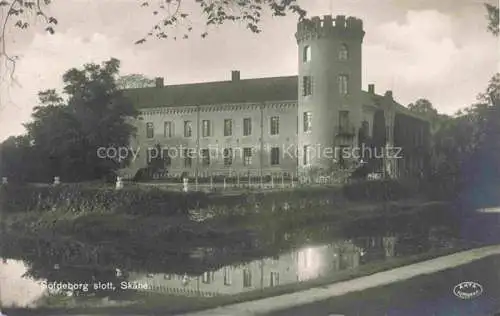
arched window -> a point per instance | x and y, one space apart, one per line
307 54
343 52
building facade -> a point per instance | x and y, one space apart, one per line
320 118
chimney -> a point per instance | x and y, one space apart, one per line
159 82
388 94
371 88
235 75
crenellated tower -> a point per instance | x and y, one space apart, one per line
329 99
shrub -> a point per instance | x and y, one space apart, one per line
78 198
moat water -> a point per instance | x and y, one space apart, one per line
320 252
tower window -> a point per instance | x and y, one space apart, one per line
307 121
343 84
343 52
307 54
306 155
275 156
275 125
150 130
307 85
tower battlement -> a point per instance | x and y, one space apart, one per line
317 27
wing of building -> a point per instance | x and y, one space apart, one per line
319 119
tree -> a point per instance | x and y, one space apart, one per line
66 133
133 81
492 18
168 14
423 106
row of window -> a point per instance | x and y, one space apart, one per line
209 277
207 131
247 126
307 85
228 157
343 53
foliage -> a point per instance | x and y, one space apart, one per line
65 135
134 81
492 18
423 106
168 15
78 199
467 148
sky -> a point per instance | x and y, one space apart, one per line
438 50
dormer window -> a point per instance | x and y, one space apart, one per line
307 54
343 52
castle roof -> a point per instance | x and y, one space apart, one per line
233 92
211 93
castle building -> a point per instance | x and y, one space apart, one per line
282 125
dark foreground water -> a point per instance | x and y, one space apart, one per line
35 273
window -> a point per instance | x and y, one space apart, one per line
306 155
167 277
306 85
228 156
343 120
188 158
247 126
275 125
343 52
247 156
167 160
228 127
206 157
275 156
275 279
188 129
206 128
343 84
150 130
307 121
168 129
247 278
227 276
307 54
207 277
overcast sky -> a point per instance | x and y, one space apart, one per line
439 50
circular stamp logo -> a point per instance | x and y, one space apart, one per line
468 290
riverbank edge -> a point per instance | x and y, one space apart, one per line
313 295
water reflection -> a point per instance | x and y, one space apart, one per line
293 255
303 264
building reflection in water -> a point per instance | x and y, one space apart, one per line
300 265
